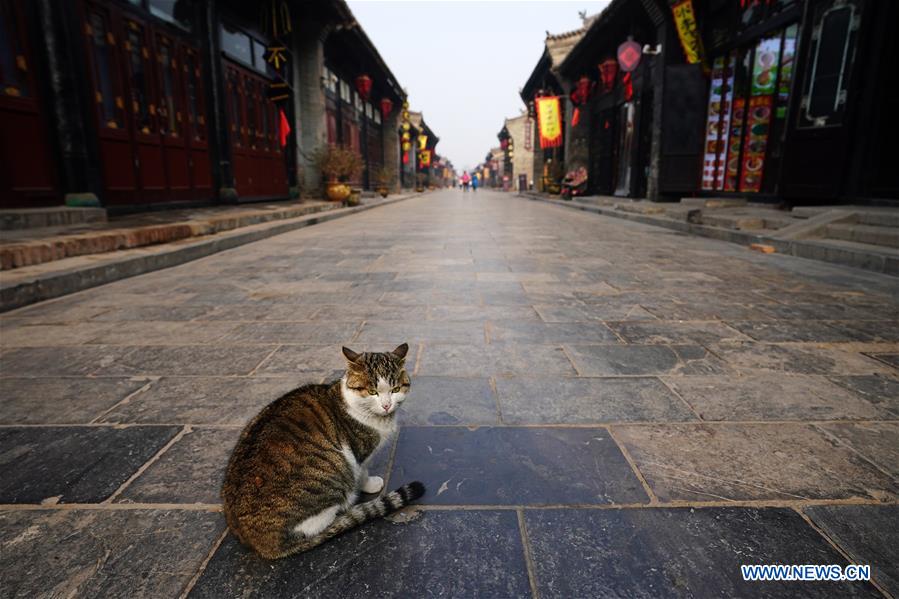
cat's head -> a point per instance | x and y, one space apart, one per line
376 383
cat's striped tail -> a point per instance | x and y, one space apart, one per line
358 515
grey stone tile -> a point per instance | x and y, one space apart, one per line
764 461
205 400
487 361
262 310
668 333
676 553
161 333
890 359
90 553
141 312
515 466
26 334
868 330
291 360
73 464
189 360
481 552
555 400
877 441
293 333
867 533
391 334
615 360
59 361
882 391
767 397
375 312
62 400
779 331
481 313
522 331
447 400
753 357
190 471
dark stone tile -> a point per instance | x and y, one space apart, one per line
139 312
614 360
888 359
552 400
109 553
394 333
262 310
447 400
515 331
375 312
62 400
441 554
73 464
58 361
487 361
769 397
640 553
882 391
515 466
780 331
294 333
668 333
189 360
291 360
868 330
754 357
481 313
867 533
190 471
205 400
763 461
162 333
877 441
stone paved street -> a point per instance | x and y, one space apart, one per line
599 408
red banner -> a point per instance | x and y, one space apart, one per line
549 120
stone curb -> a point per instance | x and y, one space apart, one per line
64 281
804 248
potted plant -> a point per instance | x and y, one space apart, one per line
337 166
420 181
384 179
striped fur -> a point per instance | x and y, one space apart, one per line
302 459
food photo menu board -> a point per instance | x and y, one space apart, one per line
718 123
758 117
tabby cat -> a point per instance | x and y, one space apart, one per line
298 467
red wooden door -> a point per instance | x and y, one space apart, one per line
171 118
195 131
27 173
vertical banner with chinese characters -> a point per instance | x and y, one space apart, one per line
549 120
688 32
529 135
424 158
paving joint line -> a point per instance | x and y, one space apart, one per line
139 472
196 577
627 456
528 554
124 400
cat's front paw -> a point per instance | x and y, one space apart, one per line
373 484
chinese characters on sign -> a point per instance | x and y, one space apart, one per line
688 32
549 120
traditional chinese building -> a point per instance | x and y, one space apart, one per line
155 103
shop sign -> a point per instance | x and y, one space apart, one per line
549 121
424 158
629 54
688 31
275 55
528 135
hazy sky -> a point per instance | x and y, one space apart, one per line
462 63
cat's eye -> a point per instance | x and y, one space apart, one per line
395 390
372 391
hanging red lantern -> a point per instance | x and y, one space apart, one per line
363 86
628 87
576 117
608 70
386 107
582 90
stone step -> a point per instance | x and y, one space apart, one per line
714 202
879 218
883 236
55 216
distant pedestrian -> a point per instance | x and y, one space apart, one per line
466 179
474 183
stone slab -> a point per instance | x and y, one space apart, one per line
668 332
59 361
640 553
438 400
294 333
60 400
92 553
766 397
876 441
882 391
867 533
486 361
389 334
556 400
515 466
754 357
73 464
764 461
515 331
481 553
189 360
641 360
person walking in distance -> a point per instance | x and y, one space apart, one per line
474 183
466 179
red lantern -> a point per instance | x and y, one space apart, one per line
608 70
363 86
386 107
582 90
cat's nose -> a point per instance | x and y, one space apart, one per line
386 407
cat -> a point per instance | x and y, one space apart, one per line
299 465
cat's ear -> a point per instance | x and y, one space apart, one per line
401 351
350 355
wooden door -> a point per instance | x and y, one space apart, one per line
27 169
195 130
171 117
